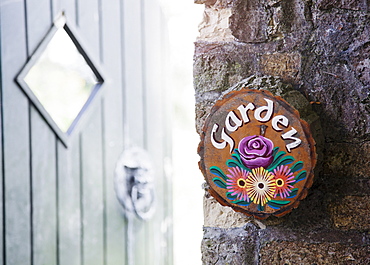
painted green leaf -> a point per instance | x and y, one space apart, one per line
230 197
277 204
220 183
293 193
297 166
301 176
236 155
242 203
274 152
260 208
234 199
236 161
278 156
286 160
233 163
282 161
218 172
277 159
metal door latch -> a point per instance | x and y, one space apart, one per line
134 183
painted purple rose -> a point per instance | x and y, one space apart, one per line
256 151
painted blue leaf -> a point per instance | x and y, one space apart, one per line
218 172
301 176
220 183
297 166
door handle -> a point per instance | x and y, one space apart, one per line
134 183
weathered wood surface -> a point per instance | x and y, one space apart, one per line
257 155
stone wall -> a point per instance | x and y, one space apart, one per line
322 49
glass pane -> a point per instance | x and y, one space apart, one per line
61 79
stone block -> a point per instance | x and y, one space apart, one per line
285 65
230 246
216 3
351 212
289 253
249 22
346 169
334 71
216 215
206 2
343 4
217 67
215 25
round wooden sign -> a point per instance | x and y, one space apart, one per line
257 155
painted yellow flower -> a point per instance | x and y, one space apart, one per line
260 186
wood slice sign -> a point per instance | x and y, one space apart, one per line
257 155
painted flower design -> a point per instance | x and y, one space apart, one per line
284 179
260 186
256 151
236 183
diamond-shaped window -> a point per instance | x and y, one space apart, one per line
60 79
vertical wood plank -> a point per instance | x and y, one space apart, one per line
167 145
39 22
88 21
69 9
115 225
93 239
133 75
16 137
154 133
44 230
2 197
69 215
69 169
43 146
92 191
134 110
56 8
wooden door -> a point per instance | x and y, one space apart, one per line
58 204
